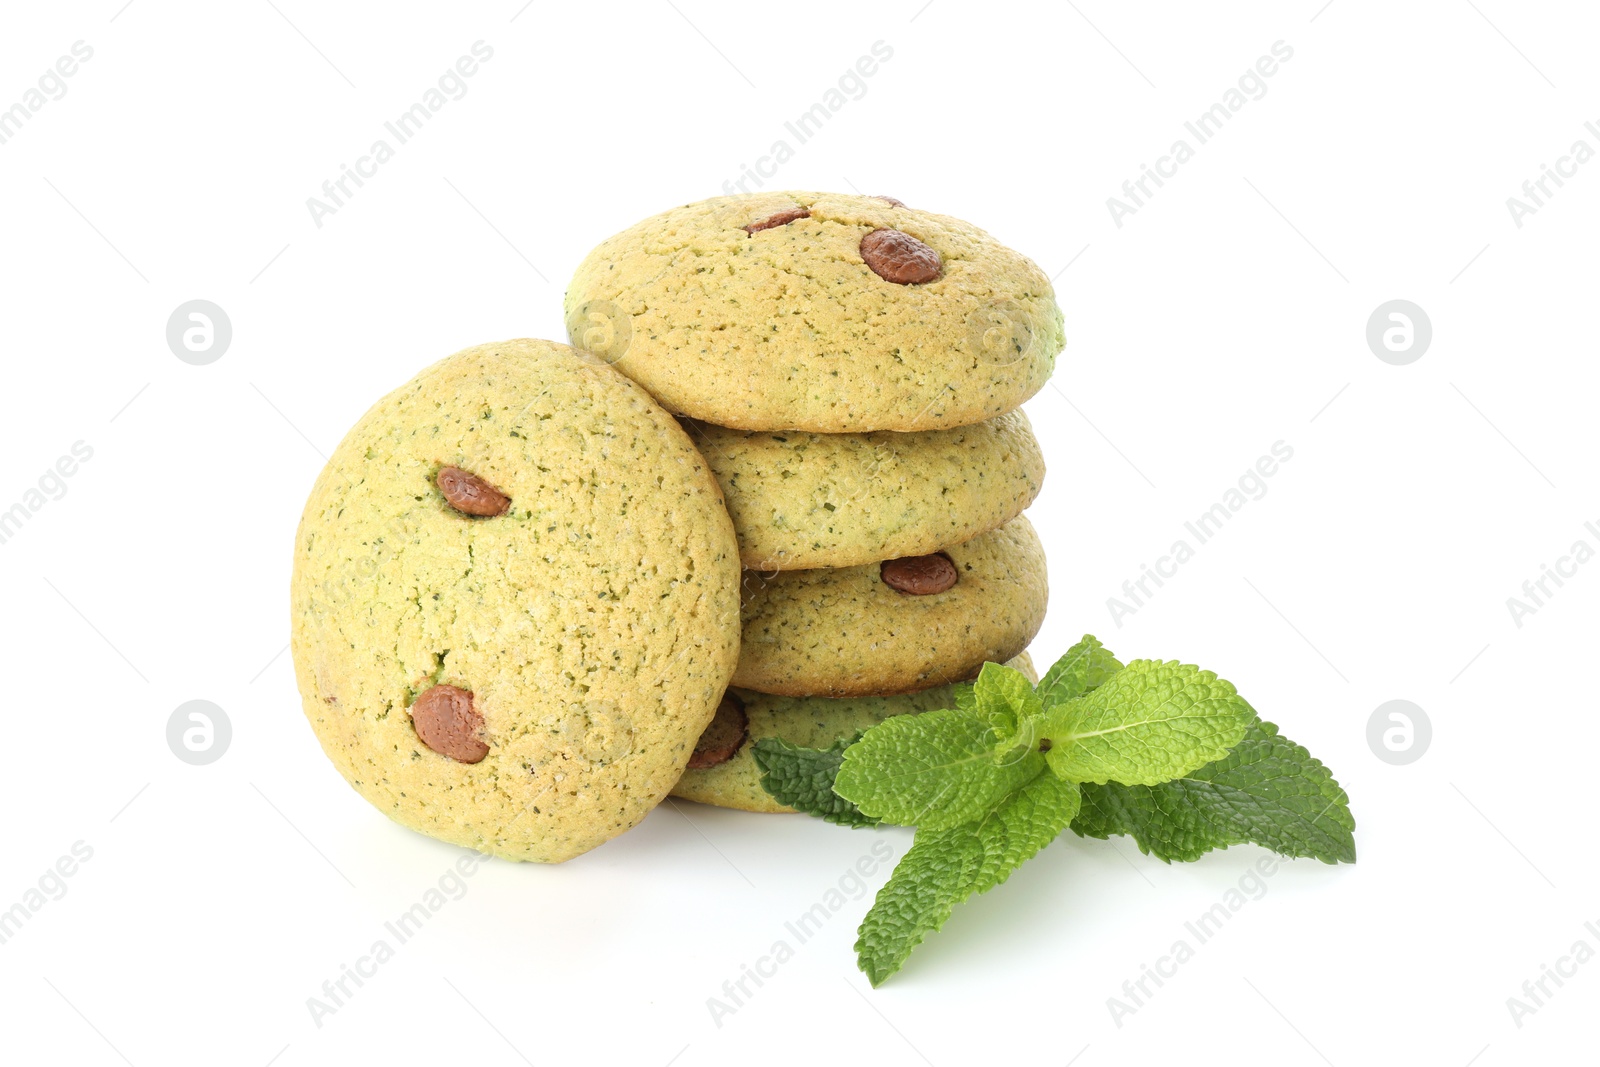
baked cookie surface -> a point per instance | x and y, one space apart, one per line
801 500
818 311
814 722
515 601
894 627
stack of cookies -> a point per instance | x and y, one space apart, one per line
529 602
850 369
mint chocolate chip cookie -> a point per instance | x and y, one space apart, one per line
801 500
818 311
728 776
896 626
515 602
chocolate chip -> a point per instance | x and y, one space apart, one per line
723 737
782 218
899 257
919 575
891 201
447 722
470 494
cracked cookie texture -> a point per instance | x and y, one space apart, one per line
591 626
759 312
846 632
814 722
801 500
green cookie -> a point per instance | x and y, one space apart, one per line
818 311
897 626
801 500
515 601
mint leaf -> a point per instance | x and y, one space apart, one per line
802 778
934 770
1029 819
1268 791
1086 666
1004 697
927 884
1149 723
945 867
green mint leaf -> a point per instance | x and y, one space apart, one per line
1027 821
927 884
802 778
933 770
1268 791
963 695
1087 665
1005 698
945 867
1149 723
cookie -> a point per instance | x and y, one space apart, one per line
802 500
896 626
818 311
515 602
815 722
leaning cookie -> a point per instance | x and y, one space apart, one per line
801 500
515 597
894 627
728 776
818 311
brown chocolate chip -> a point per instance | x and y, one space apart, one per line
723 737
899 257
448 723
919 575
470 494
782 218
891 201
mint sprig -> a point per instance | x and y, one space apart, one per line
1161 751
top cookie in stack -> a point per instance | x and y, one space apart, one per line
818 311
850 368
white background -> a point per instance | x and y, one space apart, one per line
1225 315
